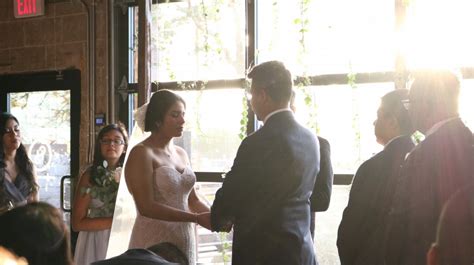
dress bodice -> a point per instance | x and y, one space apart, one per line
21 183
173 187
15 192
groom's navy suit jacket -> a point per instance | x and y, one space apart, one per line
266 195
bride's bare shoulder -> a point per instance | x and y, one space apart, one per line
140 150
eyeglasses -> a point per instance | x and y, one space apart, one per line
110 142
10 130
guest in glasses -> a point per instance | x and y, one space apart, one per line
18 184
96 193
437 167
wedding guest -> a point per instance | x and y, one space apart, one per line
18 184
455 234
321 195
437 167
361 232
96 192
9 258
38 233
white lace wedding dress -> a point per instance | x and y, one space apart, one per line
172 188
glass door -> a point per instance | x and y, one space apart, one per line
46 106
45 121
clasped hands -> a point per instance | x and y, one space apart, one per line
204 220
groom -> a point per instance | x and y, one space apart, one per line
266 193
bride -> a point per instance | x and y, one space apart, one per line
161 181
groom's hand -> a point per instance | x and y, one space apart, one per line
204 220
227 227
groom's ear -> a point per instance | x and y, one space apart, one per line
264 97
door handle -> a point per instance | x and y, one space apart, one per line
62 191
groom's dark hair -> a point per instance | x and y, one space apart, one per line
160 102
274 78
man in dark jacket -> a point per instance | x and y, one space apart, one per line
266 193
437 167
361 232
455 233
322 190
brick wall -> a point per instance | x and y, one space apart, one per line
55 41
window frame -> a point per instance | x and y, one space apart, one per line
399 76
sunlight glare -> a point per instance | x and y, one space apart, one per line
437 34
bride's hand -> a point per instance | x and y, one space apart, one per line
204 220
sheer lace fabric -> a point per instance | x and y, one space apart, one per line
172 188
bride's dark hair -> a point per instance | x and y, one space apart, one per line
160 102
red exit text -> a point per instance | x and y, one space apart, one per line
28 8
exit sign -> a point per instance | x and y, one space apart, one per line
28 8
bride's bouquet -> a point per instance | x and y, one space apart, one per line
105 183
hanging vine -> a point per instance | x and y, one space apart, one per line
244 115
351 81
304 81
